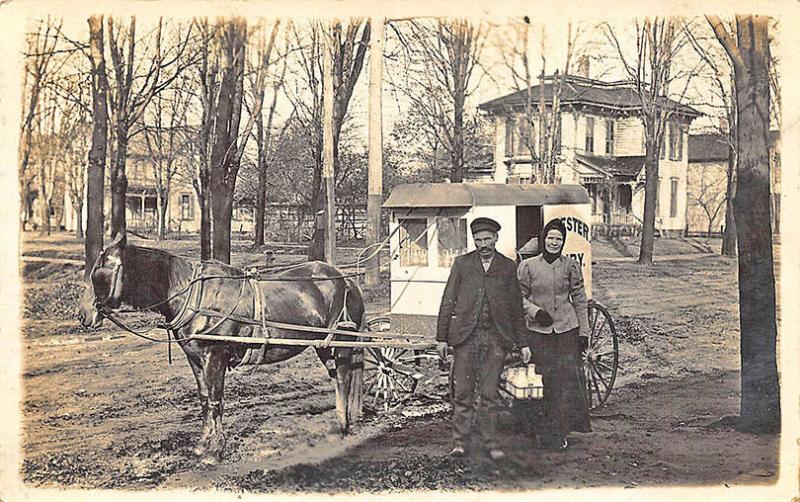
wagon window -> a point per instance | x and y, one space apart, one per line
452 239
413 242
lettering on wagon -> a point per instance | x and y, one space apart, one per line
577 226
577 257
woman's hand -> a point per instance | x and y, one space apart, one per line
441 348
543 317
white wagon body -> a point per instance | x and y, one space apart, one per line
429 224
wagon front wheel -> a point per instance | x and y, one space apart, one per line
601 356
391 374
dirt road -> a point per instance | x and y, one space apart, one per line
102 409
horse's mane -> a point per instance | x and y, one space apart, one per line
167 255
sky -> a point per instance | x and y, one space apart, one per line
491 77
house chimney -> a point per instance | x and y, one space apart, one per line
582 67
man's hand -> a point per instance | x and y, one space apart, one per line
526 354
543 317
441 348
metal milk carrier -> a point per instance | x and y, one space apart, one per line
429 224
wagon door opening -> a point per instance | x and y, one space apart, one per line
529 226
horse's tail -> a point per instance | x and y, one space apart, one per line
355 292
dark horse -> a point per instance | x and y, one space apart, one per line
203 298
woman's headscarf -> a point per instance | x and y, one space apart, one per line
554 224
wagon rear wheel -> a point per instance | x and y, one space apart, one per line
601 356
391 374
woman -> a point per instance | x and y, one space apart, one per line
556 317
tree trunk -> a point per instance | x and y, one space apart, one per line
79 224
222 175
457 172
97 153
163 198
201 189
650 195
261 195
44 204
221 209
760 404
729 233
119 181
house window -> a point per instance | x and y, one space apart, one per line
609 137
452 239
675 141
187 208
510 132
413 242
589 134
524 141
673 198
663 150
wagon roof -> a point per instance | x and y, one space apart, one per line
483 194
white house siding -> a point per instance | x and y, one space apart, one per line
628 137
500 168
565 171
667 170
175 210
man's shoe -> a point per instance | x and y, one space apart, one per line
497 454
457 452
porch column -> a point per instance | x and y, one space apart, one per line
142 213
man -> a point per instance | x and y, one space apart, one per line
481 317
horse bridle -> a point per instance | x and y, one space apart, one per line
102 305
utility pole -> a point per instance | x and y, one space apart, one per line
327 148
375 173
542 176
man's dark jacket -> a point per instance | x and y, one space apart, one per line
460 308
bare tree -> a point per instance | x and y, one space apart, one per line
442 58
165 138
39 57
540 127
749 54
720 75
658 44
264 134
76 151
208 79
349 45
129 98
97 153
225 151
708 193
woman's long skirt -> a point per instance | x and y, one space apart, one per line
558 359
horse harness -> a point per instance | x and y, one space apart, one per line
192 307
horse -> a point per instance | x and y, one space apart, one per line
211 297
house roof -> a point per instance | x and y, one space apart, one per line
618 96
483 194
708 148
625 167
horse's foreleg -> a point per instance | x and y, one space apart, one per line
344 375
214 366
202 391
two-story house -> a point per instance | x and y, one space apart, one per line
141 201
602 147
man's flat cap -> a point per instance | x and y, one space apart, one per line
483 224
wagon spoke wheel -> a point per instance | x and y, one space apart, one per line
601 356
391 374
